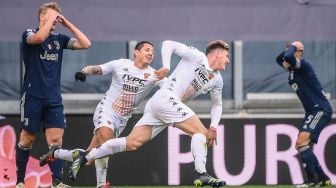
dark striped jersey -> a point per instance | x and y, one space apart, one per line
43 64
303 80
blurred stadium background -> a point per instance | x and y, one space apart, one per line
260 111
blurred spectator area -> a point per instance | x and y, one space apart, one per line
253 82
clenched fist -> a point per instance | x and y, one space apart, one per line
80 76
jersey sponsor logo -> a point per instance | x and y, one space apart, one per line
196 85
49 57
135 80
202 76
129 88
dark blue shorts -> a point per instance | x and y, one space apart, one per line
314 122
37 113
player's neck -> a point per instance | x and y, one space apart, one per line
140 65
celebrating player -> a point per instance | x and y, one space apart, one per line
41 104
318 111
195 74
131 83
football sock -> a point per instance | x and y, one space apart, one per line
101 170
109 147
321 175
56 168
307 157
22 156
199 151
63 154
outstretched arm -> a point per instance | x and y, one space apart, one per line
92 70
88 70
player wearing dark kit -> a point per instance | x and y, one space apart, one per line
318 111
41 103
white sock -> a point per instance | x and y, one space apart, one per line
101 170
63 154
199 151
109 147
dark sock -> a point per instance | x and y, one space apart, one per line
307 157
22 156
56 168
321 175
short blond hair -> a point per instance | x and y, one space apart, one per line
216 44
44 7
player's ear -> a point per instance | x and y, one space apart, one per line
136 53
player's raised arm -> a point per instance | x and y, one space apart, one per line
82 41
294 54
169 47
47 22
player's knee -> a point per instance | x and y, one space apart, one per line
301 142
134 145
27 139
26 142
55 141
303 139
24 147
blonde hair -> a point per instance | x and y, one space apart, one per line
216 44
44 7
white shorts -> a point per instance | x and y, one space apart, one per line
162 110
104 116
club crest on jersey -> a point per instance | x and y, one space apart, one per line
146 75
211 76
57 45
49 46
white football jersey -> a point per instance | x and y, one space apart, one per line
192 76
129 85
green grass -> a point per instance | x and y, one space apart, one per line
247 186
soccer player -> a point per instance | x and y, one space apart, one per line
197 73
131 83
41 103
318 111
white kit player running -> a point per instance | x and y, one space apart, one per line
195 74
131 83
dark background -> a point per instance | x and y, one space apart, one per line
148 166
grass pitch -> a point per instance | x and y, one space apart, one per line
247 186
